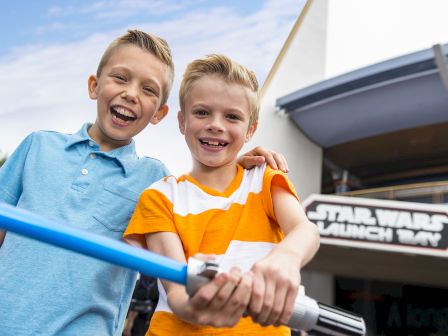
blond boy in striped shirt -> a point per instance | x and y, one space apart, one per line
251 221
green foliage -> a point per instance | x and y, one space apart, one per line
2 159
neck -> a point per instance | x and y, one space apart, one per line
217 178
106 143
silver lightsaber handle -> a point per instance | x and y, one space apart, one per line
325 320
309 315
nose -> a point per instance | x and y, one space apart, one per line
216 124
130 93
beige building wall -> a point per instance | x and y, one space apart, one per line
300 63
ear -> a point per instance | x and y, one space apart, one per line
181 120
160 114
92 85
251 130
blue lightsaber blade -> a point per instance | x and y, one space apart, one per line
308 315
116 252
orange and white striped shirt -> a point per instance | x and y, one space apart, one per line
238 225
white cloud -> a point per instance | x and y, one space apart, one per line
118 8
45 87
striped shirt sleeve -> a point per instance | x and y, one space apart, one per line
275 177
153 213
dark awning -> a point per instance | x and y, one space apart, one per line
401 93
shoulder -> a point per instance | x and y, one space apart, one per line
38 139
43 136
159 192
256 174
156 168
153 163
263 173
274 172
165 185
275 177
169 187
264 177
50 134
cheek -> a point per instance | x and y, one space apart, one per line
241 133
149 111
192 126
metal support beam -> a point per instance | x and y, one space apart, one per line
442 63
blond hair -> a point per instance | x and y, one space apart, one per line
227 69
148 42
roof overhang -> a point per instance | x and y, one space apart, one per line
401 93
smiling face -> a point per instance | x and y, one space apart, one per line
216 121
129 94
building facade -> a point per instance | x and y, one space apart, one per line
359 106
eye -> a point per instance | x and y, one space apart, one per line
233 116
119 77
150 90
200 113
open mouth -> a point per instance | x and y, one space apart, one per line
122 113
214 143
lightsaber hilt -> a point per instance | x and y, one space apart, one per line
308 315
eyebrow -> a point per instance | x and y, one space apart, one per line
144 81
227 110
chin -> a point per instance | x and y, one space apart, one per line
216 164
122 138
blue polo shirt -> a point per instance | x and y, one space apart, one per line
46 290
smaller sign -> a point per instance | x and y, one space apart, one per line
391 224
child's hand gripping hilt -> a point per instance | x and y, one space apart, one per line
309 315
199 273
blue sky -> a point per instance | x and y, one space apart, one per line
45 22
49 48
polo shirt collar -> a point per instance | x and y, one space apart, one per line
126 156
80 136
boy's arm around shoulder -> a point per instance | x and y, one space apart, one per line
259 155
277 276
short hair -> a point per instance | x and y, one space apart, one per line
149 42
227 69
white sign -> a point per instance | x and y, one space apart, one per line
393 223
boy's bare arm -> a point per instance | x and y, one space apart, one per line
219 303
301 236
277 276
2 237
260 155
167 244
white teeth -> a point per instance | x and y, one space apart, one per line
123 111
213 143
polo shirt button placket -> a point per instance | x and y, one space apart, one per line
84 171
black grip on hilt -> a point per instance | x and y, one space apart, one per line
336 321
320 319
